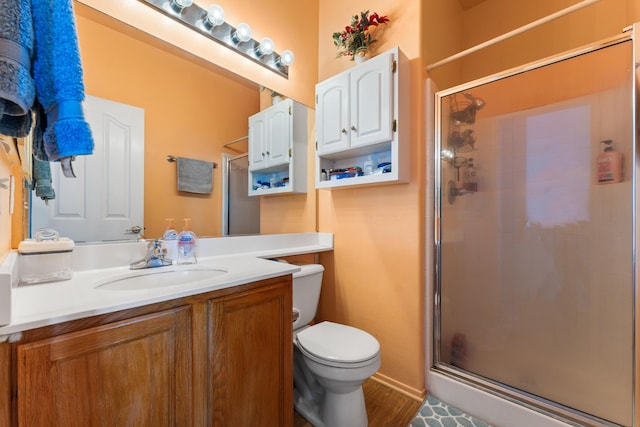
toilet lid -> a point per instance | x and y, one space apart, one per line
340 343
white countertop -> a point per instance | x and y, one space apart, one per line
242 259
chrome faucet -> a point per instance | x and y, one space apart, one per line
156 256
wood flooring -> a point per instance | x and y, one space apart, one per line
386 407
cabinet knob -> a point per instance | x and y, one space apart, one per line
268 153
353 128
262 154
344 130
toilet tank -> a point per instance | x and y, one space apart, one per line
306 293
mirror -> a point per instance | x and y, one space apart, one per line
191 109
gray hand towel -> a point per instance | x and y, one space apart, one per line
195 176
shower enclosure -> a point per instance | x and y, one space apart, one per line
535 242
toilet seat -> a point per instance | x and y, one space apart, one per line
338 345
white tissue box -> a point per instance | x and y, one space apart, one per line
45 261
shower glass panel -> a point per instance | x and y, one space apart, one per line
535 244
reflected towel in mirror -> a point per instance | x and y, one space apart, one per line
195 176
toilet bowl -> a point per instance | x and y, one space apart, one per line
331 361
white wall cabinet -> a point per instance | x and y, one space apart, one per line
362 115
278 149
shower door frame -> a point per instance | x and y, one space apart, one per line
547 408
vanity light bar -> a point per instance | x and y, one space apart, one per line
195 17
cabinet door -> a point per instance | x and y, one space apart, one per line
279 140
251 358
258 141
133 372
372 102
332 114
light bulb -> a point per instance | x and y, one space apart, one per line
215 15
178 5
287 57
242 33
265 47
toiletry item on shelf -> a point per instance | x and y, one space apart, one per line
368 166
470 177
272 181
170 238
323 175
187 244
609 164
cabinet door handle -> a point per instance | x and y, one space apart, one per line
262 154
268 153
353 128
344 130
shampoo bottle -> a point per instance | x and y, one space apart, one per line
170 238
609 164
187 244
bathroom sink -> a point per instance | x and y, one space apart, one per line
158 278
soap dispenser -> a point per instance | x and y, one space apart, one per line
187 244
170 238
609 164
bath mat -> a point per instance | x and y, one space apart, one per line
434 413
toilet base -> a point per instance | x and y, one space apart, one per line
336 410
345 409
329 405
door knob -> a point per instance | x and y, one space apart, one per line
136 229
353 128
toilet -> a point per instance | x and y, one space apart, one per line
331 361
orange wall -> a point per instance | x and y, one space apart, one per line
374 278
190 111
5 218
493 18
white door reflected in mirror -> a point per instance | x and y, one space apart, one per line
105 201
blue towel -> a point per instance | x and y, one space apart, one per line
57 73
17 90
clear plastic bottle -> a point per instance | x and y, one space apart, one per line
187 244
170 238
368 166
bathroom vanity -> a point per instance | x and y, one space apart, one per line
215 352
219 358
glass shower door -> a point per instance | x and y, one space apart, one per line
535 282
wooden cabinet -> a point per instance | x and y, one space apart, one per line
278 149
133 371
362 115
222 358
251 374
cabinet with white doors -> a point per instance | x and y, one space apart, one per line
278 149
363 124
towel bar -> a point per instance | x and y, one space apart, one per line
171 158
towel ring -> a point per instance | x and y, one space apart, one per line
172 159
